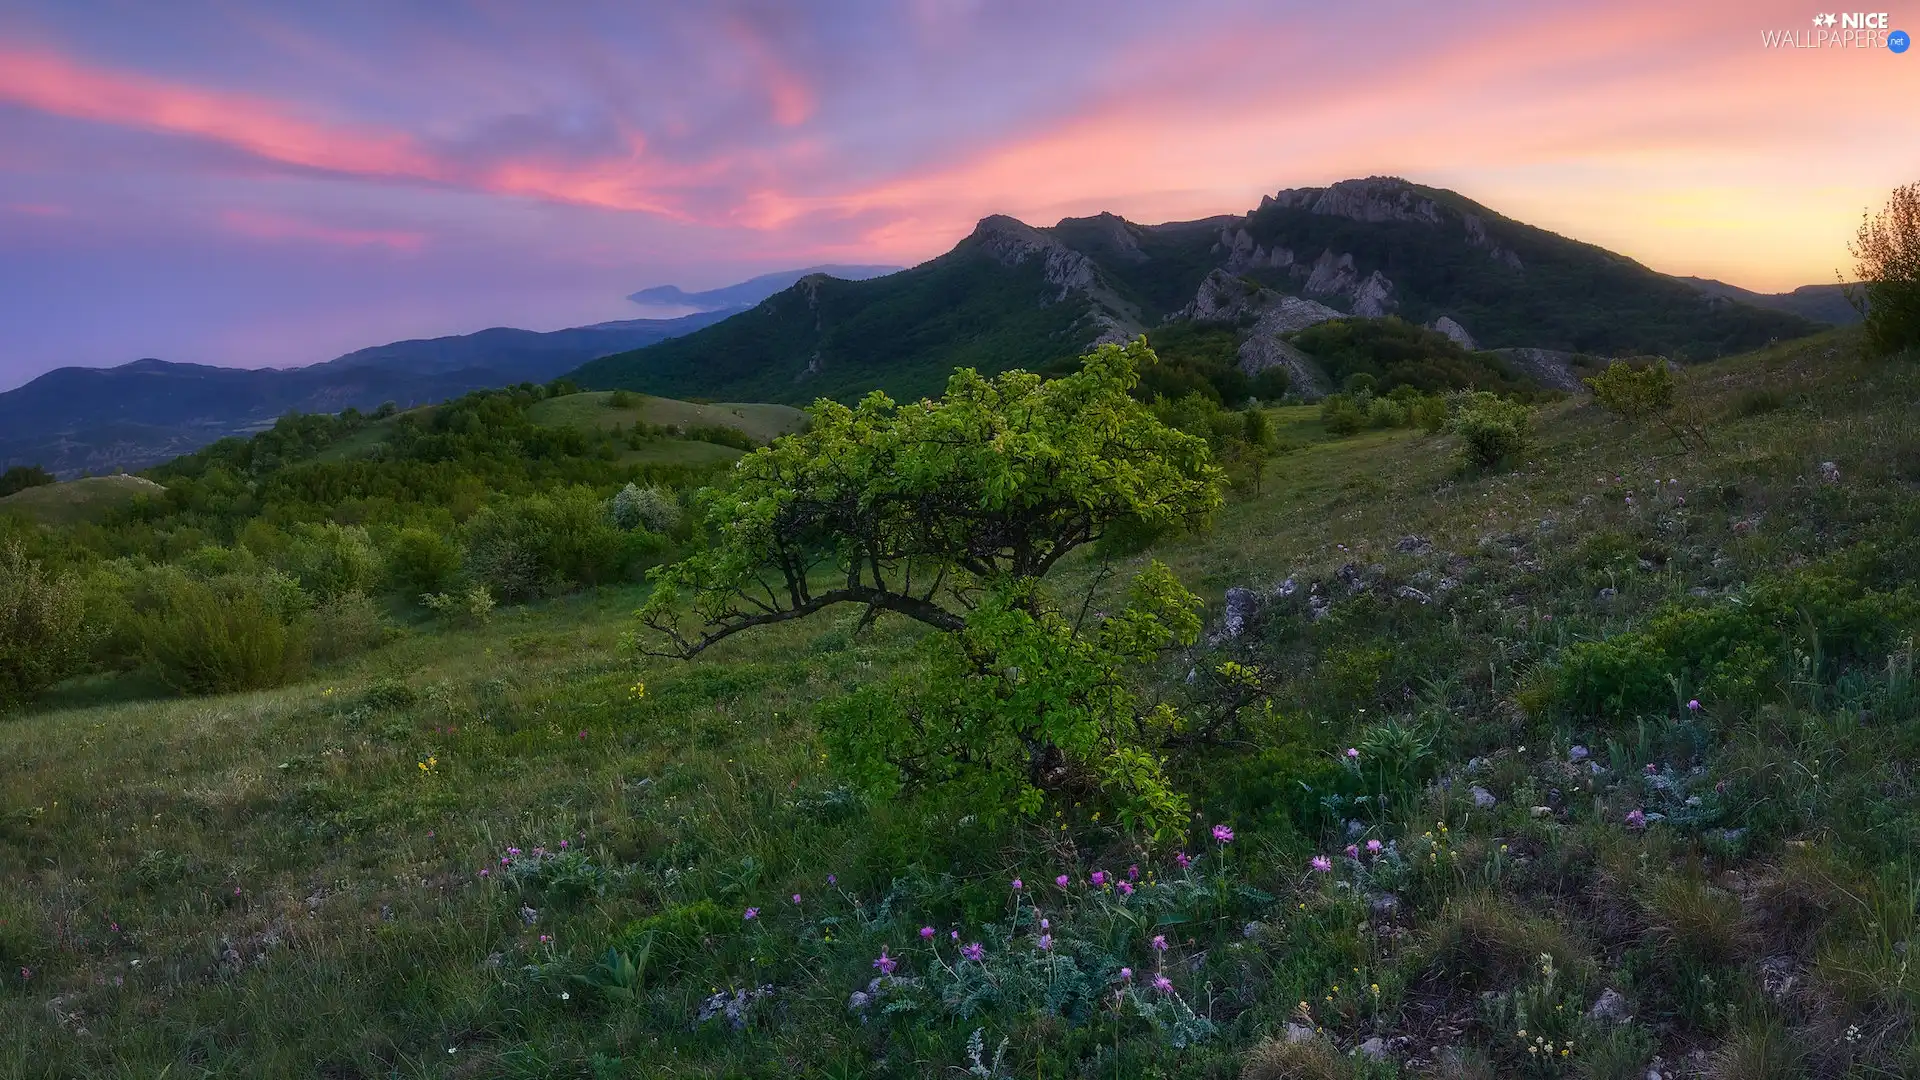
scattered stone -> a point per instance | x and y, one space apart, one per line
1541 811
386 912
1408 592
1829 472
1385 905
1413 545
1612 1008
1606 595
1356 827
1299 1033
1483 798
1578 753
1374 1049
528 915
1285 589
1241 604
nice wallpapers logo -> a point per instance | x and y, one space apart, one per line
1846 30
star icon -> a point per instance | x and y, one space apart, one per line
1829 20
1819 20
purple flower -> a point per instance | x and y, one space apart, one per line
1321 864
1652 769
796 899
1353 851
974 951
1159 943
1693 705
1045 925
926 933
1126 974
1353 753
831 880
1018 885
1062 880
1126 888
563 843
485 872
752 914
1373 847
954 934
1099 878
1045 942
1223 834
513 851
1636 819
1133 872
1163 984
1182 858
885 963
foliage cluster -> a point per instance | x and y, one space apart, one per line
43 634
1886 254
1393 353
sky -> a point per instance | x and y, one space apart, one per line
268 184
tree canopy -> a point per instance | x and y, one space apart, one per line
916 508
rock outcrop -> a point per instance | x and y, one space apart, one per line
1548 367
1225 298
1013 242
1335 275
1455 332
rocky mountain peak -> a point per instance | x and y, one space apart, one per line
1374 199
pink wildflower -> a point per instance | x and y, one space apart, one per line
1163 984
1045 942
1062 880
1353 753
752 913
1373 847
926 933
1223 834
1321 864
1018 885
1126 888
1636 819
1693 705
1099 878
974 951
1126 974
885 963
1182 859
1133 872
1159 943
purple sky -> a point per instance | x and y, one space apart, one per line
271 184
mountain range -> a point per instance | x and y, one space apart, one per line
1014 294
73 420
751 291
1008 294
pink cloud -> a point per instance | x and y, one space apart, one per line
789 95
259 225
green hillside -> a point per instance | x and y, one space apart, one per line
1587 764
88 499
597 409
1013 295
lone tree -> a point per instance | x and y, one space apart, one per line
1886 254
951 512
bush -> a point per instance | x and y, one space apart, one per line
22 477
474 604
1343 415
44 634
231 634
1492 430
422 561
548 543
622 399
653 508
331 560
1634 389
1428 414
346 625
1887 264
1271 383
1384 413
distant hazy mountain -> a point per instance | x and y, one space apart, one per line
751 291
1821 303
75 420
1013 295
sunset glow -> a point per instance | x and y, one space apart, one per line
394 175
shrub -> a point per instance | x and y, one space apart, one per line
622 399
1342 415
22 477
1492 430
1271 383
547 543
652 508
44 634
422 561
1429 414
1633 389
1385 413
230 634
1886 255
474 604
332 559
346 625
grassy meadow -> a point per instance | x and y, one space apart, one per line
1596 818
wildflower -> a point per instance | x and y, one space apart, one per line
1353 753
1133 872
885 963
1181 858
1159 943
583 733
1223 834
1636 819
954 934
1373 847
831 880
1693 705
1045 942
1321 864
926 933
1062 881
974 951
1018 885
1163 984
563 843
1652 769
514 851
565 996
1126 974
1045 925
796 899
1099 878
484 872
26 973
1353 851
752 914
1126 888
546 939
